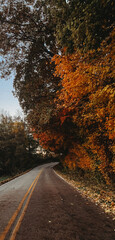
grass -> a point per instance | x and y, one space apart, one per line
3 178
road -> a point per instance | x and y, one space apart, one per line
39 205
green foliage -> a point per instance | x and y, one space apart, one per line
70 107
16 146
83 24
28 44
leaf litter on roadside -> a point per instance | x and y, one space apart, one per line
100 195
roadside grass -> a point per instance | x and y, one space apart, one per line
4 178
93 188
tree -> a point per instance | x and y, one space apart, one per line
83 24
88 94
68 107
16 146
28 43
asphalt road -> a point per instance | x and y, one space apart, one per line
41 206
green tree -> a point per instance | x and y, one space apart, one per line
83 24
28 44
17 147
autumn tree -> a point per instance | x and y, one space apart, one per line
88 93
70 107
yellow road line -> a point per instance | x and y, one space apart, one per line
4 233
23 213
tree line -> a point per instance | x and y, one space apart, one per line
17 146
63 55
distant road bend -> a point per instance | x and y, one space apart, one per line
39 205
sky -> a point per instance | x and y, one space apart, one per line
8 103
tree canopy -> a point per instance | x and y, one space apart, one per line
63 56
83 24
28 43
17 146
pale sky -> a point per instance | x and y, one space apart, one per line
8 103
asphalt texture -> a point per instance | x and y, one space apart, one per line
57 211
11 194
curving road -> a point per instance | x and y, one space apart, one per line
41 206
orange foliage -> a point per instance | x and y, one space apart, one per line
73 74
103 163
85 110
78 157
51 140
87 91
63 115
110 126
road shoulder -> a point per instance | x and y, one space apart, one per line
98 194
